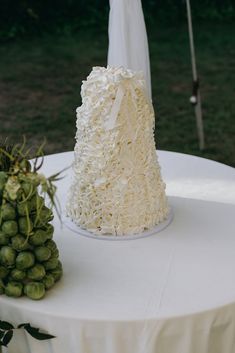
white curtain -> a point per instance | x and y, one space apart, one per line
128 43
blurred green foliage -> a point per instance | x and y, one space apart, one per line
41 79
29 17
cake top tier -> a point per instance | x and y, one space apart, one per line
102 78
103 93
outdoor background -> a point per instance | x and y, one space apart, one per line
48 47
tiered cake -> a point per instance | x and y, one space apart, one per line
117 187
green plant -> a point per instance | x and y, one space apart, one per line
7 331
25 225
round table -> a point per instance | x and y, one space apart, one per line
172 292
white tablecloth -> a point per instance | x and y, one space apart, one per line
173 292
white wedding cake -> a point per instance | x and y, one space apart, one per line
117 187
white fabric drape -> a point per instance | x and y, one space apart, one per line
128 43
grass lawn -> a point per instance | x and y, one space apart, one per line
40 83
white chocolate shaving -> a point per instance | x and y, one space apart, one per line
117 187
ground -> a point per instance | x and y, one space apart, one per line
40 81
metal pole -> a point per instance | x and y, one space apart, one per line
197 102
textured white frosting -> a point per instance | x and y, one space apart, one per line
117 187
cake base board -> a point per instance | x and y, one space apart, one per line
80 231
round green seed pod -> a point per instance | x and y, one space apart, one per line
57 272
34 290
25 225
49 236
24 260
51 245
7 256
36 273
4 239
3 272
49 230
19 243
38 238
17 275
48 281
35 179
8 212
45 216
10 228
28 188
36 202
51 264
55 253
14 289
42 253
24 208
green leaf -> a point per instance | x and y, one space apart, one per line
23 325
34 332
8 336
4 325
2 333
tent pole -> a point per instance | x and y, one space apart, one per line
198 108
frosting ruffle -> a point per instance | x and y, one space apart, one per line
117 187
